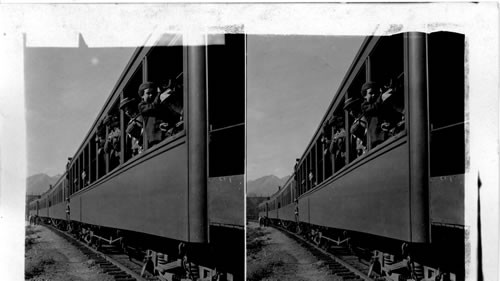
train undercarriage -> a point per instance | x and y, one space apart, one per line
390 259
167 259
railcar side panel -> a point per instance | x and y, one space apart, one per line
225 200
75 208
150 197
273 214
378 204
58 211
44 212
304 210
287 212
447 200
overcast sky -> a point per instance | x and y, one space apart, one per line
291 81
65 90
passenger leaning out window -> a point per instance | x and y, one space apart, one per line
100 138
372 110
112 144
358 127
171 99
150 109
134 127
393 107
84 178
161 109
311 178
338 147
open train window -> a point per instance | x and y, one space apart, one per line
93 159
132 120
357 123
85 167
100 139
71 177
334 140
387 71
81 171
226 105
446 103
319 160
165 64
113 136
313 171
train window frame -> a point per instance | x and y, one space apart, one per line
225 123
177 41
363 69
115 99
399 75
130 90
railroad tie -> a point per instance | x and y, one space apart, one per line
125 279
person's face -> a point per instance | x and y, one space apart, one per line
129 112
148 95
369 93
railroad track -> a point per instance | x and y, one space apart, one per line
340 261
111 261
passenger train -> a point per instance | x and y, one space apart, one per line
180 201
398 203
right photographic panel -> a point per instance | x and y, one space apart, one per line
356 154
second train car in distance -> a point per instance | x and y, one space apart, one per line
175 199
384 172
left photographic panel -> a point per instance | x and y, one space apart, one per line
136 155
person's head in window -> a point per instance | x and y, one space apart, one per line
111 121
129 106
148 91
370 91
353 106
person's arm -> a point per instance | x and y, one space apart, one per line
149 109
371 109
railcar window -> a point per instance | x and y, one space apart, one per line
133 130
100 139
356 119
334 141
85 167
113 137
306 173
93 159
320 160
79 172
75 181
386 71
163 110
446 103
70 179
303 174
226 106
313 171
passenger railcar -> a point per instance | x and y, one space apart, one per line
399 201
179 200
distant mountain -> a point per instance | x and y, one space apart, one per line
39 183
265 186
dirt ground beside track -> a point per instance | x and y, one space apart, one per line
271 255
50 257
